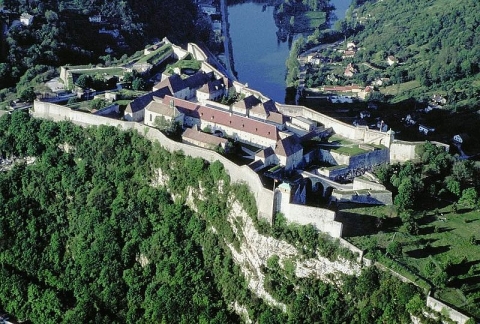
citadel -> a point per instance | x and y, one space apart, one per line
284 142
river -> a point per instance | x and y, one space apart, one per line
259 57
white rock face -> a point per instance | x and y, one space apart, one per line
256 249
160 179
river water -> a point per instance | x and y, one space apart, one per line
259 57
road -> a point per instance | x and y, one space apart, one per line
226 39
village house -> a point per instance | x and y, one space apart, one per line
425 129
348 54
264 158
26 19
208 9
364 114
185 88
243 106
438 100
461 138
391 60
289 152
95 19
350 70
212 90
409 120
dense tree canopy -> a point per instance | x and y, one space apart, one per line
88 235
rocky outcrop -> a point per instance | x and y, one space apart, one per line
255 249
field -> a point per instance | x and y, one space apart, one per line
446 243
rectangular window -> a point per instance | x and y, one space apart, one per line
150 117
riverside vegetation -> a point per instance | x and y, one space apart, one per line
88 234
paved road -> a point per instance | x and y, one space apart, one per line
226 39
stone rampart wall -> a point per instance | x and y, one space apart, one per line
351 247
197 53
454 315
320 218
401 151
107 110
341 128
369 159
263 197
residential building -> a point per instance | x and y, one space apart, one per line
26 19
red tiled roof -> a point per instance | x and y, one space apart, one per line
226 119
202 137
276 118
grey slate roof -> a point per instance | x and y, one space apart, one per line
141 102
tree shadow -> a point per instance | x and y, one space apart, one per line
473 281
434 229
427 220
427 251
461 268
360 225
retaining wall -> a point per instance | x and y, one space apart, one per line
322 219
263 197
452 313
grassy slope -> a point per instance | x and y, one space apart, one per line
442 239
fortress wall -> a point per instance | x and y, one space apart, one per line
178 52
369 159
326 156
263 197
322 219
454 315
340 159
341 128
376 137
351 247
401 151
197 53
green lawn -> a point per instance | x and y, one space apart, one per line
94 71
397 89
158 55
443 238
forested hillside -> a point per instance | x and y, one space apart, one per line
87 234
61 32
436 42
